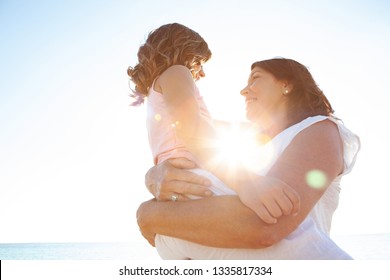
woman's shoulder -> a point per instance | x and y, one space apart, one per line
324 123
314 124
316 135
322 129
309 126
332 138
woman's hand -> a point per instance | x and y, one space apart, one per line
171 180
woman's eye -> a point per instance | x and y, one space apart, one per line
254 78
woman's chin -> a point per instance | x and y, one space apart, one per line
251 117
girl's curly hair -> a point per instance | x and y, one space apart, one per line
170 44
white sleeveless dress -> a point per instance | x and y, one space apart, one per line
310 240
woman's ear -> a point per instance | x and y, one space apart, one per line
287 87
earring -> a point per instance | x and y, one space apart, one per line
285 92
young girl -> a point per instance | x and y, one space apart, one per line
179 124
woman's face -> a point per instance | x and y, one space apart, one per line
263 96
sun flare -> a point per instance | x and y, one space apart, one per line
239 146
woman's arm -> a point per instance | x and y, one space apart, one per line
226 222
218 221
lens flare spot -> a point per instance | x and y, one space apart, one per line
176 124
157 117
316 179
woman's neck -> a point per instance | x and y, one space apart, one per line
273 126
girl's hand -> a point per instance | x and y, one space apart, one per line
270 199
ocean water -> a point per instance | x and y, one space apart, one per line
78 251
360 247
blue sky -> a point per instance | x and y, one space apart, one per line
73 153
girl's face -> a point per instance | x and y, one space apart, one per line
196 69
264 96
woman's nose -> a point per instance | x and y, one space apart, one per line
244 91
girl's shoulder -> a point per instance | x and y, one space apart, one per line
176 76
175 71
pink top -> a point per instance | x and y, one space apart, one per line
163 141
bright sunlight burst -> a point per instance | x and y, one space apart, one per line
238 145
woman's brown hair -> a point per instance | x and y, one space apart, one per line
305 97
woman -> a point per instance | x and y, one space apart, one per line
312 152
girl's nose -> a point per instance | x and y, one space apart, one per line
202 73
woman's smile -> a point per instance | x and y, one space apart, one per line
250 100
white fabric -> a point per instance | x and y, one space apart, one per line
310 240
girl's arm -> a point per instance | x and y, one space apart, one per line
179 93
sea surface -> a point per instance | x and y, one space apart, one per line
78 251
360 247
